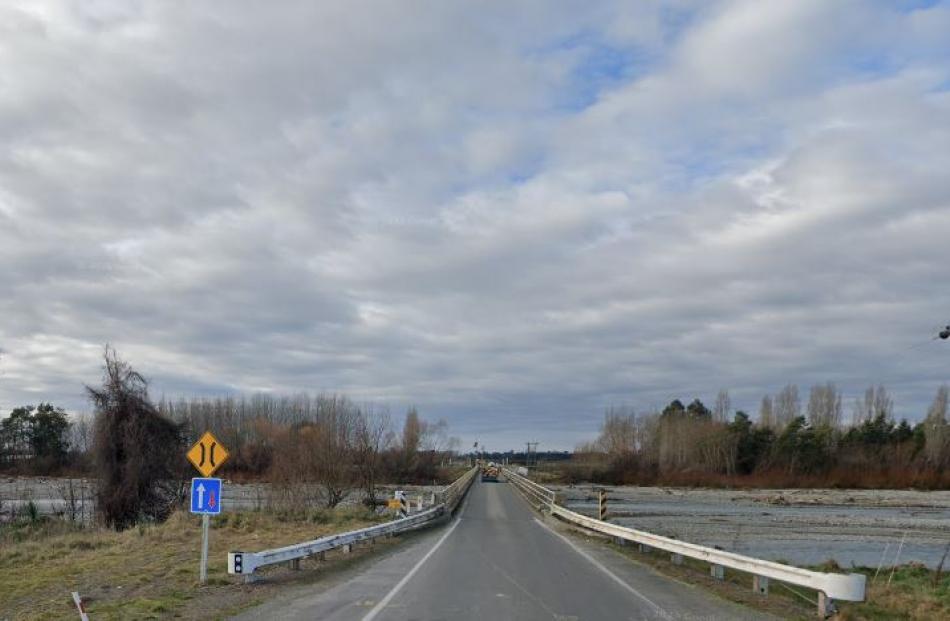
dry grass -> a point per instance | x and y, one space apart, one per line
912 594
147 572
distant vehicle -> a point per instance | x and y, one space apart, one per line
490 473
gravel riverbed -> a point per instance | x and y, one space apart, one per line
800 526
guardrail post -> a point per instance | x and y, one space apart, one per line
676 559
347 548
760 584
717 571
644 549
826 605
295 564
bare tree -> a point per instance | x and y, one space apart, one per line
787 406
435 444
717 447
372 436
937 431
337 424
618 433
766 414
81 434
723 406
411 440
875 403
824 405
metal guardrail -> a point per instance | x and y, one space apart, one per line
452 494
830 586
246 563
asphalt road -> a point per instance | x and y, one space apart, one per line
499 560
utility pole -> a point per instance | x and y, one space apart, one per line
527 455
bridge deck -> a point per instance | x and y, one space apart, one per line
498 561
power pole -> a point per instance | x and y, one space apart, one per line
527 455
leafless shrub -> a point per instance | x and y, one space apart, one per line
73 497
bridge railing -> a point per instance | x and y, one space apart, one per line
830 586
246 563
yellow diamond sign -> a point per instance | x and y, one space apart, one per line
207 454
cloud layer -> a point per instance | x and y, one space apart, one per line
509 216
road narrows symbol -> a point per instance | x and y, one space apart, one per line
207 454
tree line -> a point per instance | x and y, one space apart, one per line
320 448
35 440
789 443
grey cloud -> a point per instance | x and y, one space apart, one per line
392 200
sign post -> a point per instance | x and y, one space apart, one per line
203 570
206 456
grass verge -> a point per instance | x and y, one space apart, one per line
148 572
914 592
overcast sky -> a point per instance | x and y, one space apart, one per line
509 214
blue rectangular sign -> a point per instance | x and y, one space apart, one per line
206 496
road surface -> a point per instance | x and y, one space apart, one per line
498 560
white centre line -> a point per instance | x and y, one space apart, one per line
399 585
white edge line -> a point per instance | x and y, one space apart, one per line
399 585
604 569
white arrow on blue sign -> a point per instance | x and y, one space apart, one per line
206 496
